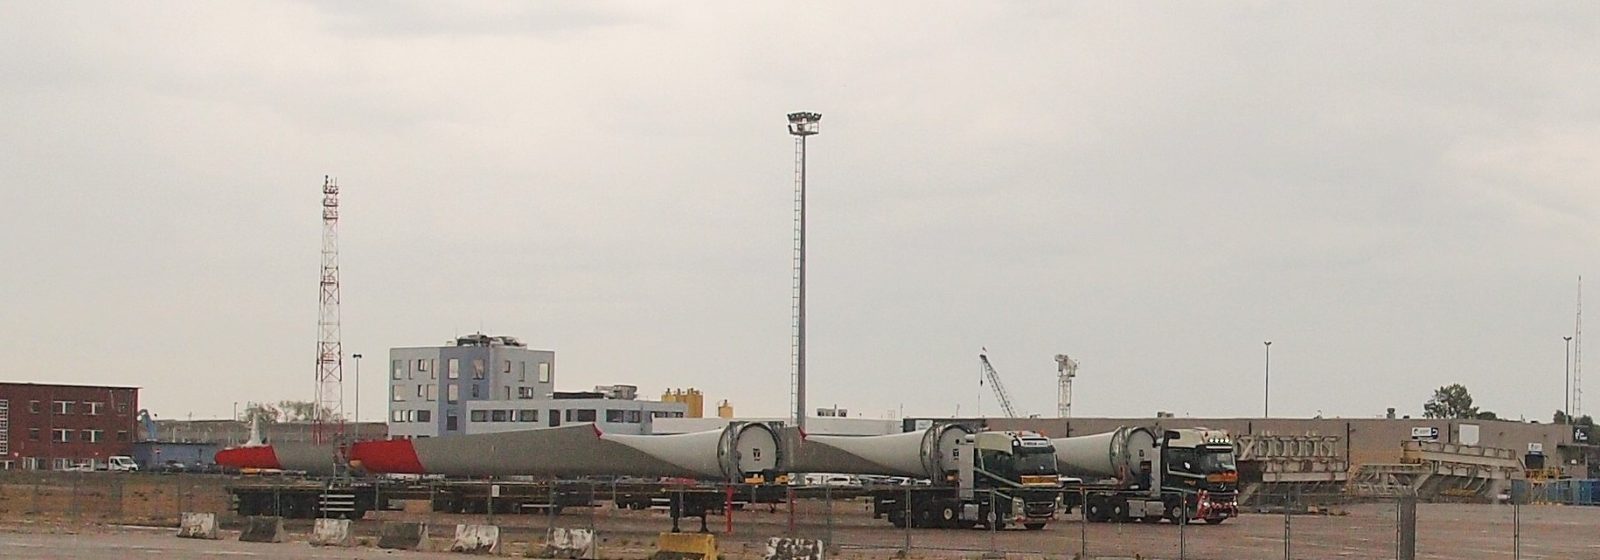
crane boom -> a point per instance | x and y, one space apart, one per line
999 388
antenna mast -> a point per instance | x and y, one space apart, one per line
1577 356
328 411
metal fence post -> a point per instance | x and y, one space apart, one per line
789 495
827 501
592 507
488 507
994 520
1407 528
1183 526
1083 525
1516 530
905 552
1288 516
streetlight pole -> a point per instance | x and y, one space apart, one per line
358 395
801 125
1266 387
1566 395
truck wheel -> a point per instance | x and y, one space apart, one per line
1033 526
1174 513
949 518
898 519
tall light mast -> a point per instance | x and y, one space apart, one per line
328 412
1066 369
801 125
1577 356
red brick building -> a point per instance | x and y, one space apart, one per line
48 426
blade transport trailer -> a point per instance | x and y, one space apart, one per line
1150 474
990 479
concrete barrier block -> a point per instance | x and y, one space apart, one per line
779 548
569 544
195 525
332 532
685 546
262 529
402 536
476 539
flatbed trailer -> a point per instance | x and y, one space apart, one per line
945 507
353 498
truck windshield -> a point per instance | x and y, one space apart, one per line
1201 461
1216 460
1036 462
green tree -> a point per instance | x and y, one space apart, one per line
266 413
303 411
1487 415
1559 418
1450 401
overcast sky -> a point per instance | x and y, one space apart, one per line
1399 196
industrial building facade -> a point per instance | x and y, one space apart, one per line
482 384
51 426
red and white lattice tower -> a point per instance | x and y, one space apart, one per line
328 415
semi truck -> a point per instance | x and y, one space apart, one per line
974 478
1138 473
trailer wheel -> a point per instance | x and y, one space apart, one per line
1119 511
1095 510
898 519
948 517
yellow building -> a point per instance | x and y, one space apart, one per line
691 398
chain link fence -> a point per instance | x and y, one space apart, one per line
856 521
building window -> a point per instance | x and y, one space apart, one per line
524 392
433 393
453 393
522 372
397 416
122 408
94 408
527 416
544 372
33 434
480 416
507 367
634 417
60 435
33 406
451 424
500 416
433 371
614 416
420 392
60 464
94 436
62 407
424 415
475 391
477 368
422 366
508 392
584 415
122 436
453 368
399 393
395 371
411 416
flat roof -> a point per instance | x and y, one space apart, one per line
31 384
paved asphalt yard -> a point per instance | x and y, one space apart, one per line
1445 531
